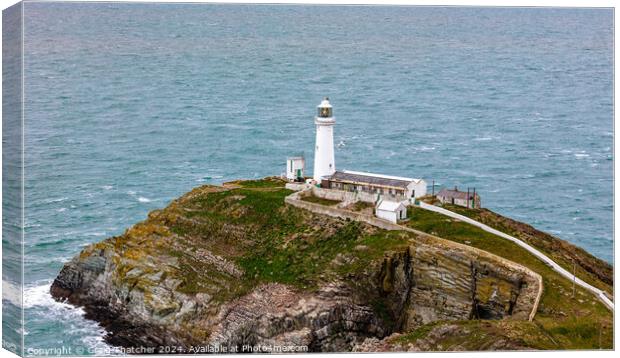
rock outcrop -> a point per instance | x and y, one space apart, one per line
236 268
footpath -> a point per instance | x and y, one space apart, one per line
602 295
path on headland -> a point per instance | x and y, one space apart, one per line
295 200
602 296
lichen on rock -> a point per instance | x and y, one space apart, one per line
234 266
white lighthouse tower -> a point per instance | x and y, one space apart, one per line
324 163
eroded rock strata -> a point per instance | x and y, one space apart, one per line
235 267
401 291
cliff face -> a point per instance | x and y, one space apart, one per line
400 292
235 267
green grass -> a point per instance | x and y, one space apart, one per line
480 335
300 262
418 333
374 247
282 244
362 205
270 182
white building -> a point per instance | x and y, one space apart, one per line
391 211
385 186
295 167
324 163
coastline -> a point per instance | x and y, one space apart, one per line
125 333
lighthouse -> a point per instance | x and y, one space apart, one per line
324 163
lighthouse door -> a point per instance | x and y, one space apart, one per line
299 173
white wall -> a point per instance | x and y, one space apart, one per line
420 189
404 215
342 195
291 168
392 216
461 202
387 215
296 186
324 162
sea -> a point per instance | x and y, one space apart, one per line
130 105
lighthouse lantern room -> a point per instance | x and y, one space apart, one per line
324 163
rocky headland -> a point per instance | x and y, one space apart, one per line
234 268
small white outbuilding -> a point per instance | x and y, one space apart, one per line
391 210
295 168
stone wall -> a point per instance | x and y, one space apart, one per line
297 186
294 200
352 196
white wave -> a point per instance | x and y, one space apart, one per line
61 210
425 148
581 155
11 293
107 187
38 297
131 192
55 200
96 233
144 200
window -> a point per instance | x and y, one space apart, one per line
325 112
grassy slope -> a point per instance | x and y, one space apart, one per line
589 268
565 321
249 224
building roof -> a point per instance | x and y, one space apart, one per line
389 205
325 103
299 157
372 179
456 194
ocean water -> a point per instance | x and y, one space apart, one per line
131 105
